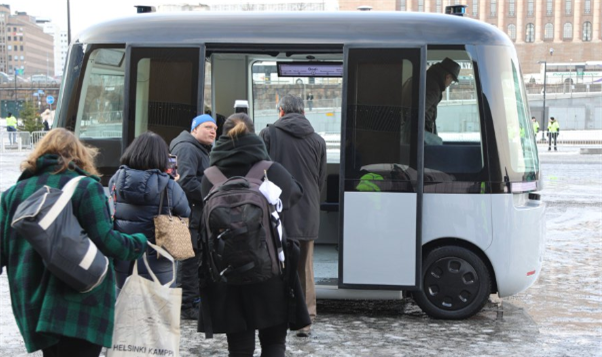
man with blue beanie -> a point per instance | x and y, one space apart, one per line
192 151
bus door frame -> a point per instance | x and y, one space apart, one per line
129 47
419 185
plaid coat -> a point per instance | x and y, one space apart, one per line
45 308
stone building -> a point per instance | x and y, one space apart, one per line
560 31
24 45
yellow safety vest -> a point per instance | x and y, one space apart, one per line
11 121
553 127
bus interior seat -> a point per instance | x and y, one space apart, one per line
332 194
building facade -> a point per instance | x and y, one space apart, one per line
561 31
26 46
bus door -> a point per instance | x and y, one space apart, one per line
381 184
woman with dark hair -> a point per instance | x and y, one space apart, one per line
52 316
239 310
137 188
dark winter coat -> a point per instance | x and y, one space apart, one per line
435 85
136 195
193 159
256 306
303 153
44 307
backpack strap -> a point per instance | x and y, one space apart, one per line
257 171
215 176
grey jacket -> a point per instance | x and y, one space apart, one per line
303 153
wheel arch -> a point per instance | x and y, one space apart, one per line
441 242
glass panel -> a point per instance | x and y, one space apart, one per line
322 100
568 30
453 151
381 108
101 101
163 91
549 31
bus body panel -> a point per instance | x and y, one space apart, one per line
380 238
516 254
462 216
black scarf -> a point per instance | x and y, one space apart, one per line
243 151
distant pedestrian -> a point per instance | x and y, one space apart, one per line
11 126
310 101
553 133
137 189
46 125
535 125
52 316
292 142
192 152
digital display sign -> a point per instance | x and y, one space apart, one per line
310 69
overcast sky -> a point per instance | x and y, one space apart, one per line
83 12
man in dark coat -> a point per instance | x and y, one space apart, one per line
438 77
292 142
192 151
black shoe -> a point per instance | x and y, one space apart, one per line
189 314
549 149
555 149
305 332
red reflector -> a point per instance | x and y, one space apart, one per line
530 273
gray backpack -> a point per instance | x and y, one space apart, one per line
239 239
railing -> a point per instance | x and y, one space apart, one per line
19 140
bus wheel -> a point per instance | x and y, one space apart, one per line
456 283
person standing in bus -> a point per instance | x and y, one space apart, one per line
553 132
11 126
438 77
292 142
535 125
192 152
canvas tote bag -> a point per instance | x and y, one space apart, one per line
171 232
147 315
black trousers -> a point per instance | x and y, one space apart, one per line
552 136
272 339
188 280
72 347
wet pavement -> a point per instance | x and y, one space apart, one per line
560 315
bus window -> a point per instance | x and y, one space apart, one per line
459 155
101 103
377 157
163 91
321 97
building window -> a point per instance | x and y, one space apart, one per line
587 31
21 48
530 33
512 32
402 6
549 7
567 7
530 8
511 8
548 33
438 6
492 8
568 31
10 57
475 8
587 7
8 38
421 5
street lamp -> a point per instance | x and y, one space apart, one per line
543 112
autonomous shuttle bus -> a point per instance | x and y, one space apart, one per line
448 218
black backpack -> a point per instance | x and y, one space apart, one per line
239 238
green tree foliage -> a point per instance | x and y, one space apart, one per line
30 119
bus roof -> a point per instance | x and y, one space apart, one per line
393 28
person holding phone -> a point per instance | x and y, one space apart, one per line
136 189
172 167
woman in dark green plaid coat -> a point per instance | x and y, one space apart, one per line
52 316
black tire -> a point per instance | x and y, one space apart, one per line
456 283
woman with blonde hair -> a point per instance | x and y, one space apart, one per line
51 315
239 310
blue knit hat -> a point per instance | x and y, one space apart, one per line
200 120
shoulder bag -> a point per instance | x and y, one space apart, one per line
172 233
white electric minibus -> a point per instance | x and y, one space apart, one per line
449 218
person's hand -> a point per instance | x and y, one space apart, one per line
177 177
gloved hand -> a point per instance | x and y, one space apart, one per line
558 133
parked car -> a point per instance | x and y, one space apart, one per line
43 79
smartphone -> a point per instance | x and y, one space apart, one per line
172 167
